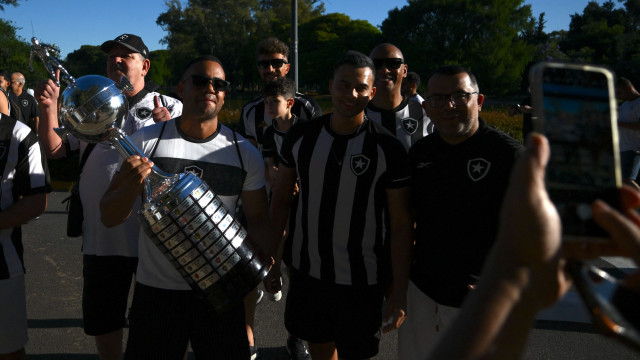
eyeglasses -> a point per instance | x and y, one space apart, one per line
459 99
203 81
276 63
390 63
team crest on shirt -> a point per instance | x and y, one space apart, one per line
195 170
478 168
410 125
359 164
143 113
25 103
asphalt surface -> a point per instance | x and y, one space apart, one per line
54 288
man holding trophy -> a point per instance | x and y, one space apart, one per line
110 254
167 313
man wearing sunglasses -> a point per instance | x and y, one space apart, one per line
398 114
110 254
166 314
273 63
460 175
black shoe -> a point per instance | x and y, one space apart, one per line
297 349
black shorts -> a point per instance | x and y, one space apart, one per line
107 280
321 312
162 322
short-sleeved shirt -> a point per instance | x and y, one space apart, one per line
216 161
457 194
102 163
273 139
629 112
24 173
339 231
408 121
255 119
28 107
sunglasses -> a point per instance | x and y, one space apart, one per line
203 81
390 63
276 63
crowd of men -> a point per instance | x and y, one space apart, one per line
383 211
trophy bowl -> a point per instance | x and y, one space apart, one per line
181 214
93 105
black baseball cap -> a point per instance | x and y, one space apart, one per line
130 41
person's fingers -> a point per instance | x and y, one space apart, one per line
156 102
624 232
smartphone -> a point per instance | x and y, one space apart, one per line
575 107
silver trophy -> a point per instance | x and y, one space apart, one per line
181 214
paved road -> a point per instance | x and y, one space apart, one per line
54 281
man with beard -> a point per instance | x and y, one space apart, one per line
398 114
110 255
273 63
166 314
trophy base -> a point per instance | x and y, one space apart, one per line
204 242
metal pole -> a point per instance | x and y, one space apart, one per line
294 40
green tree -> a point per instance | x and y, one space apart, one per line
88 60
228 29
484 35
160 73
598 34
8 2
14 55
324 39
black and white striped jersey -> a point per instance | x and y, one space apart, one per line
408 122
272 144
255 119
339 231
24 173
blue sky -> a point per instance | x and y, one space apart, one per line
72 23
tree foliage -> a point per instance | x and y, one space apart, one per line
324 39
3 3
228 29
14 55
484 35
88 60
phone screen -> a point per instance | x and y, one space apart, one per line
578 118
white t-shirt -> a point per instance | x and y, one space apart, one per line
121 240
215 160
629 112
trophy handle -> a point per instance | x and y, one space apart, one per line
158 182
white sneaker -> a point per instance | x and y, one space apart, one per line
277 296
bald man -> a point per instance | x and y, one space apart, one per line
404 118
28 105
